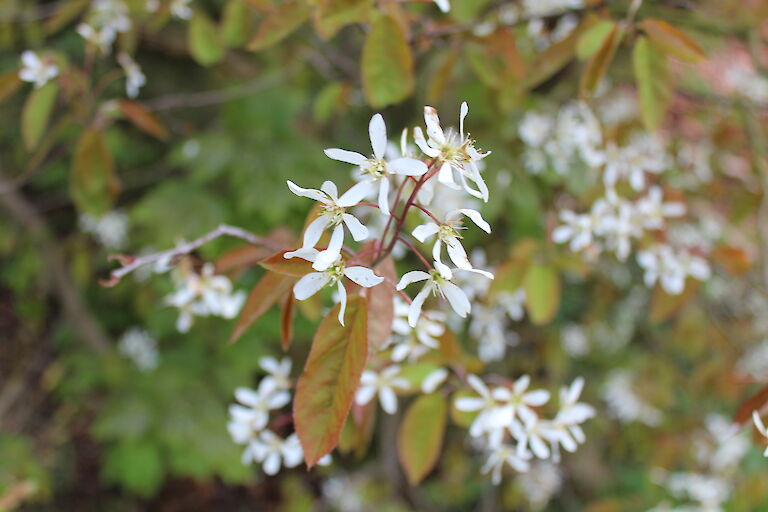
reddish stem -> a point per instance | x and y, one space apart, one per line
417 205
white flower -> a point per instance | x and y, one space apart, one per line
332 275
252 416
535 129
334 215
624 403
382 383
279 371
534 433
576 228
521 400
134 78
571 414
111 229
140 347
181 9
273 452
433 380
106 19
438 283
448 234
455 151
653 211
513 303
490 406
444 5
413 342
37 70
501 454
661 263
377 168
760 428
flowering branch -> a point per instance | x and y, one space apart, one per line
131 263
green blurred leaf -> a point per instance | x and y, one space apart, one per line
654 83
137 466
598 65
326 388
387 64
37 112
92 179
592 38
332 15
279 24
421 436
235 23
205 40
9 84
542 292
672 41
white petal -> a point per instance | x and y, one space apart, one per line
433 380
342 155
411 277
307 192
469 404
315 230
414 312
309 285
363 276
408 167
418 138
456 298
330 189
30 59
537 397
355 194
364 394
377 131
330 255
421 233
342 301
443 5
458 254
434 131
477 219
305 253
445 176
462 115
384 196
539 447
356 228
272 463
388 400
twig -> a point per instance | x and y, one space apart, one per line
65 289
131 263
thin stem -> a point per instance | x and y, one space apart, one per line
130 263
368 204
417 205
416 251
389 221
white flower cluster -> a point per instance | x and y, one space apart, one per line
561 142
134 77
111 229
36 69
614 221
624 404
203 294
453 162
747 83
106 19
249 420
181 9
718 450
509 429
140 347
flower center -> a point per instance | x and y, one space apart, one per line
449 231
375 167
334 213
335 271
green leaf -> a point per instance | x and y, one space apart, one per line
421 436
326 388
295 267
332 15
654 85
672 41
137 466
205 42
592 38
387 64
547 63
279 24
542 292
37 112
92 179
264 295
234 23
9 84
598 64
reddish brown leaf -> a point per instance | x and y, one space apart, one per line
381 309
295 267
240 258
734 259
286 320
598 64
144 119
421 436
757 402
263 296
326 388
674 42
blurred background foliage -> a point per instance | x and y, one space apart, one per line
245 95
